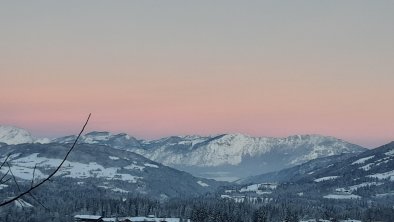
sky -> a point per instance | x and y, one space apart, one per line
159 68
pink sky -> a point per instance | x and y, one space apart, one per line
191 69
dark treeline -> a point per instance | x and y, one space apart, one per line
204 209
64 199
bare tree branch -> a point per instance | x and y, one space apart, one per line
5 181
13 176
52 174
32 179
5 160
4 176
19 201
42 205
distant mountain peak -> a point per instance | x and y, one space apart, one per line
95 133
120 140
13 135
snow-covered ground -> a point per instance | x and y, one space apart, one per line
202 184
386 175
355 187
151 165
362 160
116 189
254 193
243 198
119 190
250 188
22 204
114 158
133 166
23 168
325 178
384 194
390 153
367 167
258 187
341 196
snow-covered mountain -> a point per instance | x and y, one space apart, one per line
227 156
13 135
222 157
368 175
375 163
232 149
103 167
120 141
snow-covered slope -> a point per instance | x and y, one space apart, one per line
232 149
228 156
375 164
13 135
368 176
121 141
103 167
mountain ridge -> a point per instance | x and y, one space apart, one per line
104 167
224 156
232 154
375 163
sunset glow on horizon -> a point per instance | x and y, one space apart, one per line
154 69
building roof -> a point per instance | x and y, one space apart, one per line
91 217
150 219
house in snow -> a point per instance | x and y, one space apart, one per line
88 218
150 218
343 191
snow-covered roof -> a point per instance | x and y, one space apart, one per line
152 219
92 217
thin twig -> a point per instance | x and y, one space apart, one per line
42 205
52 174
5 160
32 179
5 181
17 185
19 201
4 176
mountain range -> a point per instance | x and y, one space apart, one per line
225 157
329 177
